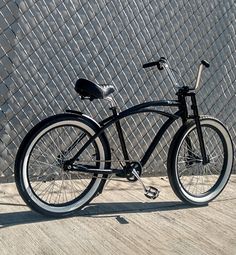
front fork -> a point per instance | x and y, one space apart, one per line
182 99
196 117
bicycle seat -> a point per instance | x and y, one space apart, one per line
88 89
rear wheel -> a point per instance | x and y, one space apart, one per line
39 173
190 179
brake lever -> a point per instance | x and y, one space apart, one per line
161 63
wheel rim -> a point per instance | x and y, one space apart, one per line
47 184
200 182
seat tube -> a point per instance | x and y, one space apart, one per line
121 136
199 129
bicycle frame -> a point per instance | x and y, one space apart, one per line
142 108
145 108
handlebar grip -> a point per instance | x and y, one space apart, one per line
150 64
205 63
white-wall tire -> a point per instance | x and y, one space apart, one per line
30 165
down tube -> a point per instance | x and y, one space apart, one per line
156 140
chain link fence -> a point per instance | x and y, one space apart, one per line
45 46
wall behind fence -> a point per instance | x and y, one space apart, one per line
46 45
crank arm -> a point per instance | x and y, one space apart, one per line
149 192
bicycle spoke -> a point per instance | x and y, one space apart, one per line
204 177
48 179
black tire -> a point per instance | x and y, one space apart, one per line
39 175
191 181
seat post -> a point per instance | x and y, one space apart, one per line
112 102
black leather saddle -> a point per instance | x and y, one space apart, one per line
88 89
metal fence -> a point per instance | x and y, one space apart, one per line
46 45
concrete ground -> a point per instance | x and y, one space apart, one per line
122 221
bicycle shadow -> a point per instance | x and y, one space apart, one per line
98 210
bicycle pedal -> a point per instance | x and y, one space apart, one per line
152 192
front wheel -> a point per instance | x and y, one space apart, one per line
42 181
191 180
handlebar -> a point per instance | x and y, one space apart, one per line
162 63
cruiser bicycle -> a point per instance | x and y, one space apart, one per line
65 160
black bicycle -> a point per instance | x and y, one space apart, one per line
65 160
